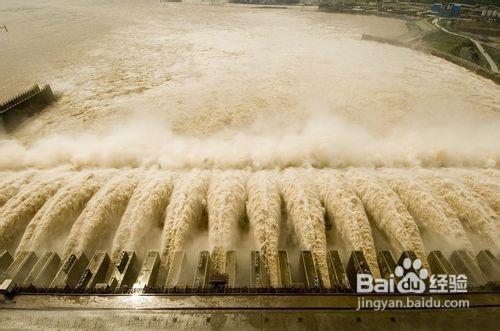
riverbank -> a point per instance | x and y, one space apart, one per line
424 36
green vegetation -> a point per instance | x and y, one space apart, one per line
494 53
455 45
485 30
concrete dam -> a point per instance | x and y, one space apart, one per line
232 166
165 218
113 234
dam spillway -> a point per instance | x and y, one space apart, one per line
31 274
135 244
164 219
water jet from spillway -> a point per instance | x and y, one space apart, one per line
429 211
347 212
264 214
16 214
143 219
475 215
184 212
226 212
58 214
102 215
388 213
306 215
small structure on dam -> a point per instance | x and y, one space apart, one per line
25 104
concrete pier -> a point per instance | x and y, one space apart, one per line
149 272
231 265
464 264
439 264
202 273
386 264
489 264
338 276
70 272
124 273
5 260
95 272
21 266
308 270
357 265
44 271
259 276
284 269
177 267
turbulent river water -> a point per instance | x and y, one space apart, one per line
188 127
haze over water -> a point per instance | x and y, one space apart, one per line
182 86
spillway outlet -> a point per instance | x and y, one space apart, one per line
29 272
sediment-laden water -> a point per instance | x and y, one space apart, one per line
194 127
